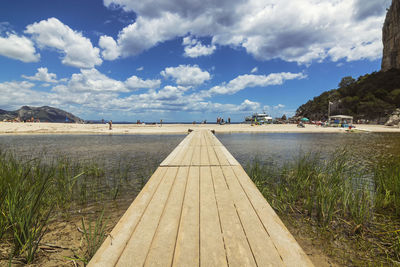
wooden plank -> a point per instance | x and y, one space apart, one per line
196 139
260 242
221 156
204 161
212 156
162 248
112 247
208 139
203 138
139 243
196 158
215 140
232 161
187 244
236 244
290 251
170 158
187 160
179 158
212 248
185 142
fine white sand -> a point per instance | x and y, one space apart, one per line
71 128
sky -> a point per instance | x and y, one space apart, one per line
183 60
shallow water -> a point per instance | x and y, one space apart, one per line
143 153
127 160
283 147
97 147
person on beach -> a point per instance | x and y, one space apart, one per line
160 123
110 125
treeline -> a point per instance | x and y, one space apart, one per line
371 97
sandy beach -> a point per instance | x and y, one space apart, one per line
70 128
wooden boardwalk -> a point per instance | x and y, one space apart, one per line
200 208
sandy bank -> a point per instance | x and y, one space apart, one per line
68 128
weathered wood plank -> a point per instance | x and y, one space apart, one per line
223 160
215 141
212 156
258 238
237 247
196 158
109 252
187 160
187 251
212 249
232 161
204 160
184 143
162 248
139 243
290 251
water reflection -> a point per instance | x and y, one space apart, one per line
282 147
127 160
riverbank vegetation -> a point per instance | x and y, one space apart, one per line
352 211
37 190
370 97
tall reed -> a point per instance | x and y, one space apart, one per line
31 189
94 234
321 188
25 210
387 185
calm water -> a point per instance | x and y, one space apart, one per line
111 148
143 153
283 147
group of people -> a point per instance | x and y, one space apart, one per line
222 121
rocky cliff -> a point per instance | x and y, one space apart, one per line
44 114
391 38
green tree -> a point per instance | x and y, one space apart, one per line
346 82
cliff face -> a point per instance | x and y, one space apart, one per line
391 38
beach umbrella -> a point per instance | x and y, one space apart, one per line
305 119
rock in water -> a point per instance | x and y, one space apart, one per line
391 38
394 119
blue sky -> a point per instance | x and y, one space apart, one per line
183 60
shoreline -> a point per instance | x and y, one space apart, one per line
11 128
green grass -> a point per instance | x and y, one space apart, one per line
321 189
340 199
387 185
94 234
34 190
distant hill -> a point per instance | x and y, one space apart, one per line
371 97
44 114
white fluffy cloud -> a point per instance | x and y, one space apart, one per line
135 82
249 80
76 49
91 80
91 92
18 47
42 75
15 94
186 75
110 48
317 29
194 48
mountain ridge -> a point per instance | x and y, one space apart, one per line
43 114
